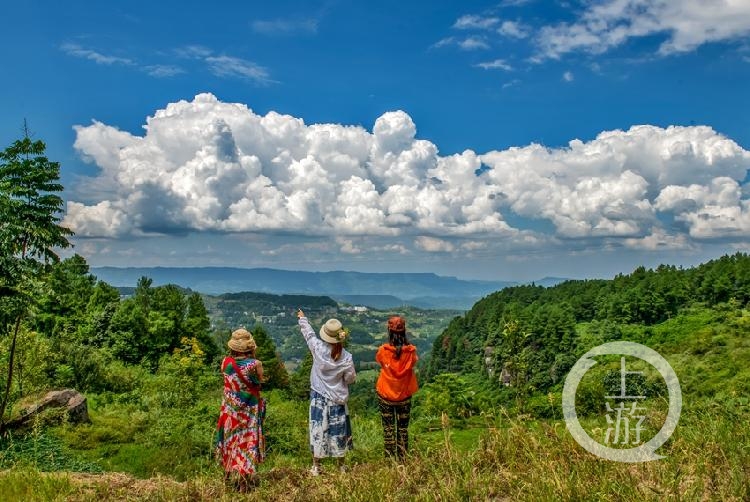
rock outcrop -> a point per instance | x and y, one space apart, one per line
67 404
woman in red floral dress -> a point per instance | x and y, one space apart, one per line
240 445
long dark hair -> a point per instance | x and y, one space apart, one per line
336 349
397 339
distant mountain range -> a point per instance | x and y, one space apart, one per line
379 290
548 282
384 302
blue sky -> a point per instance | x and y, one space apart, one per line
504 140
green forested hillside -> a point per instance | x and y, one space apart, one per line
523 340
276 313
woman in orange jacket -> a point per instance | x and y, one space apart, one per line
395 386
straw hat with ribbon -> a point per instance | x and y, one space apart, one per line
333 332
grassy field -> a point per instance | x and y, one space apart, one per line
154 442
708 458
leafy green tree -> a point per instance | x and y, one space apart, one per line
99 311
445 348
515 353
72 313
274 372
143 293
151 324
198 325
299 381
448 393
127 332
30 231
165 322
102 295
33 360
68 290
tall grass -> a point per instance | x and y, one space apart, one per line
708 458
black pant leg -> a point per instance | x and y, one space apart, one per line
388 416
403 413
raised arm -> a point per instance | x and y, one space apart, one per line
306 329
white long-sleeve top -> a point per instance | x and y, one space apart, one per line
328 377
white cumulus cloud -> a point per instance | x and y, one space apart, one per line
714 210
611 185
206 165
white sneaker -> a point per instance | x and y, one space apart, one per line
315 470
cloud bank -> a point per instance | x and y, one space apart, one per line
209 166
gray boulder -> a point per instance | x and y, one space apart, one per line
67 404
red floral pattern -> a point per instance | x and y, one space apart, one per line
240 444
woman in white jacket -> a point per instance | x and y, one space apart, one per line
332 373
